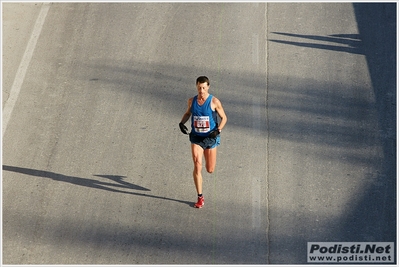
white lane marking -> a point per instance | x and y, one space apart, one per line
23 66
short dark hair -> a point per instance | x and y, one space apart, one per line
202 79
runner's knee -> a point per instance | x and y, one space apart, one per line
197 165
210 169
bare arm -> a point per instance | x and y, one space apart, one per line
187 114
219 109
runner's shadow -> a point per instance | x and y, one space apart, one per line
119 180
91 183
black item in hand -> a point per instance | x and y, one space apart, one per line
183 128
214 134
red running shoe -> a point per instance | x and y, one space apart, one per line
200 203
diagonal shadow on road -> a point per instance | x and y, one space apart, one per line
119 180
349 43
91 182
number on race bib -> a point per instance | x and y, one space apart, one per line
201 124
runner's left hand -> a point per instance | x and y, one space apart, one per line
214 133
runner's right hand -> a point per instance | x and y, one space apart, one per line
183 128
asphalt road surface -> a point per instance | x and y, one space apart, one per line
96 171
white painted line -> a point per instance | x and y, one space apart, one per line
23 66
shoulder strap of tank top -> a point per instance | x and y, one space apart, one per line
209 100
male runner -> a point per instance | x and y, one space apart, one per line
205 131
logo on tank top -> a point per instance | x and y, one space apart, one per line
202 124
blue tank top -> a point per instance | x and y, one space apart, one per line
203 118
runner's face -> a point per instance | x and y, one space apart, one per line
202 89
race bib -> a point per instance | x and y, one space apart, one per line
201 124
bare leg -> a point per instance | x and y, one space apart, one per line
210 158
197 153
